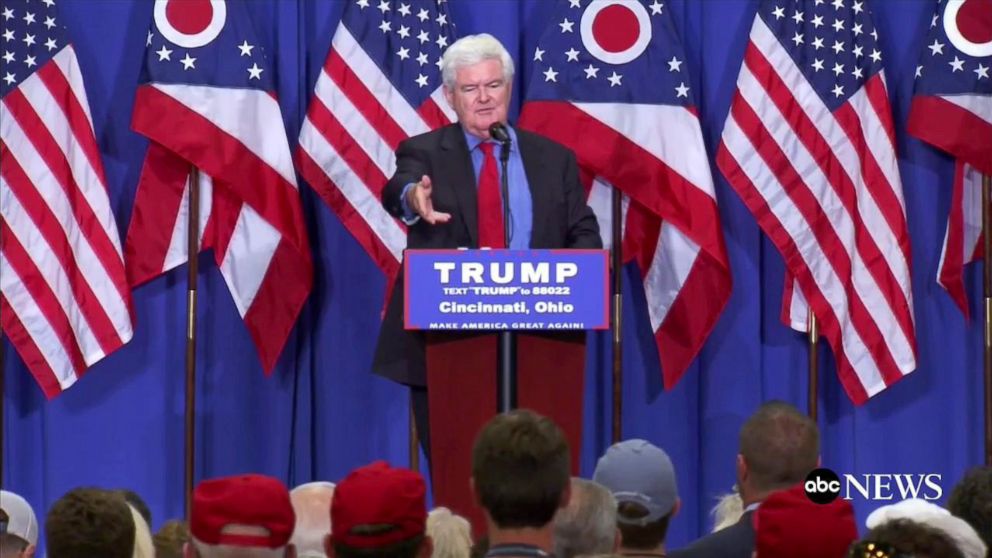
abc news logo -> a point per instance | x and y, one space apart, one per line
824 486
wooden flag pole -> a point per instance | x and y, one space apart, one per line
814 363
414 458
987 289
3 404
192 271
617 314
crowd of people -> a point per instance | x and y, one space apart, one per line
531 505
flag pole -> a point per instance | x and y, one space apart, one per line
414 458
192 251
617 262
3 404
987 284
814 363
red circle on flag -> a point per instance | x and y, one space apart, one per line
189 16
615 28
974 20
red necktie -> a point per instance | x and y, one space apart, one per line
490 205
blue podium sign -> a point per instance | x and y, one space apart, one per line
506 289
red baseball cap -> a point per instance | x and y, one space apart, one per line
789 524
240 502
378 494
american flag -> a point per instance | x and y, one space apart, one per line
809 147
611 82
64 298
952 109
380 84
206 99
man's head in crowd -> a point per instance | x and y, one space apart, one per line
379 511
18 527
789 524
907 538
971 500
89 522
588 524
312 504
170 539
244 516
642 479
520 470
779 446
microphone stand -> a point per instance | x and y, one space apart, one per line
506 368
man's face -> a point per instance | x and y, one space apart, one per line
480 97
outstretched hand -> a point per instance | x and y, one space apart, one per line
419 200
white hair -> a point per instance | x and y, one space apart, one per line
470 50
204 550
143 547
450 533
312 504
728 511
588 525
956 529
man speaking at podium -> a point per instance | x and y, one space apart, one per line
446 188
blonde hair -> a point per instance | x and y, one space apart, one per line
451 534
143 547
728 510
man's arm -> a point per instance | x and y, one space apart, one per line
407 195
411 165
583 229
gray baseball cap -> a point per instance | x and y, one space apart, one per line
639 472
20 517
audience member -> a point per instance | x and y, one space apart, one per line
136 502
727 511
244 516
588 524
143 547
971 500
18 527
451 534
778 447
89 522
642 479
379 511
789 524
312 504
957 530
520 477
905 538
170 539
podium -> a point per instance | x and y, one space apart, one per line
462 361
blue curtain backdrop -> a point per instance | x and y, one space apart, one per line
322 413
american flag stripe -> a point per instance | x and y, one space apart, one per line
876 244
31 219
840 224
50 315
376 82
28 343
355 122
71 231
29 138
822 213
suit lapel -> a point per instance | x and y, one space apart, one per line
530 153
462 179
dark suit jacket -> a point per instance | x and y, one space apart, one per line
736 541
561 219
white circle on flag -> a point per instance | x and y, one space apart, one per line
640 43
957 38
218 16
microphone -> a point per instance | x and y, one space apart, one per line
499 133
